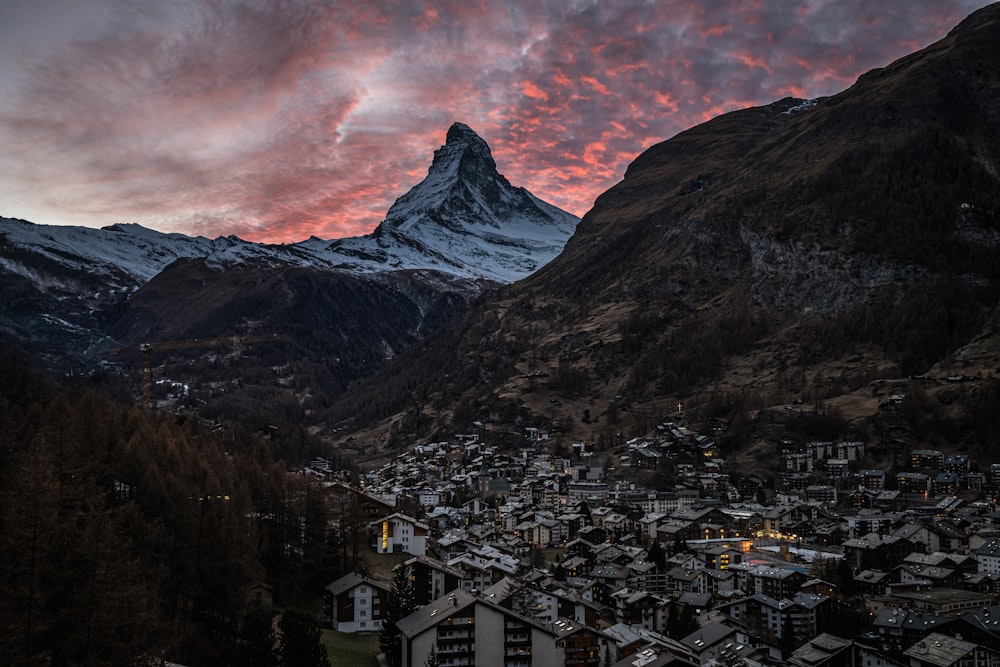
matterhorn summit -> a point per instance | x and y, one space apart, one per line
466 219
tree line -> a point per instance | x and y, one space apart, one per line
127 535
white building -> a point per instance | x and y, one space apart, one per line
988 556
357 604
462 629
398 532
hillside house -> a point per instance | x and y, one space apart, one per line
400 533
461 629
357 603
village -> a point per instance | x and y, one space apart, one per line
523 557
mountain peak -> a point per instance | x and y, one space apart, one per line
464 153
461 133
466 218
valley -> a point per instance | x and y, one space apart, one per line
743 412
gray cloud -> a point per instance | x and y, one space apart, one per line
276 119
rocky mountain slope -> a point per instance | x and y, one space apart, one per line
779 255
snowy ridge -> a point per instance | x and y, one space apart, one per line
125 253
463 219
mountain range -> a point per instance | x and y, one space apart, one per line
72 295
820 267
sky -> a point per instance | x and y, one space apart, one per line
276 120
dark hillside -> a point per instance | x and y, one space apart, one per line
329 329
762 254
127 535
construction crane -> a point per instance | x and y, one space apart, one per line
147 349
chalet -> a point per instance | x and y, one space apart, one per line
450 626
988 557
645 458
639 608
919 534
618 525
683 580
820 587
711 582
873 551
720 558
673 531
614 577
872 582
776 518
899 628
940 650
980 625
580 547
962 563
483 569
400 533
987 584
643 576
432 578
357 603
573 522
592 534
576 566
922 575
825 650
776 582
707 641
610 554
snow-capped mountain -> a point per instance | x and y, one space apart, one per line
466 219
70 294
127 254
463 219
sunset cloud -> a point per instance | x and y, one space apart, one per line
280 119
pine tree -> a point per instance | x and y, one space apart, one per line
657 556
400 604
300 641
257 640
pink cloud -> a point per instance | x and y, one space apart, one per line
533 91
279 119
595 85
